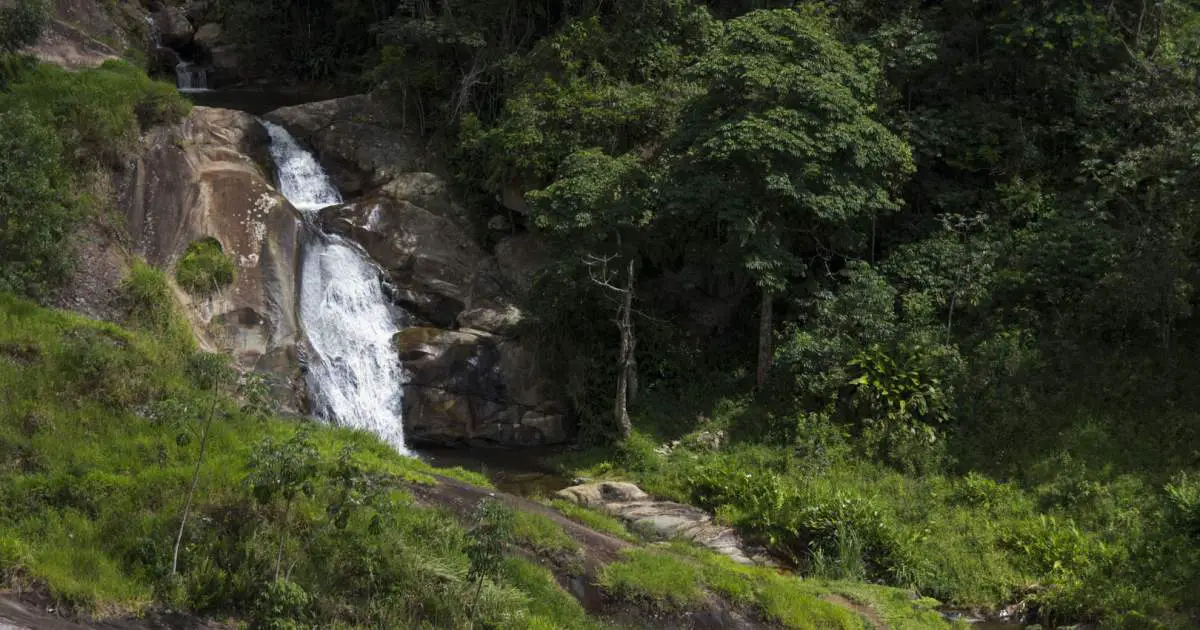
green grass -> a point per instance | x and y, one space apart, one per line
541 534
549 606
99 432
678 576
205 268
593 519
654 577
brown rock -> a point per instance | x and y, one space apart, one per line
469 387
208 36
173 26
358 142
200 179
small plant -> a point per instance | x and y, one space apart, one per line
281 605
205 268
494 527
283 472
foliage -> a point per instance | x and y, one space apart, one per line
205 267
677 576
38 207
55 128
21 25
93 483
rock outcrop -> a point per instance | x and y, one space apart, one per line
174 27
206 177
468 387
662 519
86 33
472 381
357 141
437 270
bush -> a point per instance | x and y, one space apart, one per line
22 24
282 605
97 113
205 268
148 304
37 210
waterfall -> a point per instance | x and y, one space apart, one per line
190 77
355 378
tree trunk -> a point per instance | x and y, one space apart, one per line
766 326
626 375
187 506
287 514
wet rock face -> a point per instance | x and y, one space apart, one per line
356 139
206 177
470 388
471 380
437 271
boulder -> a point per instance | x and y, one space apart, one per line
519 258
436 270
197 10
208 36
206 177
663 519
225 66
467 387
357 140
86 33
173 26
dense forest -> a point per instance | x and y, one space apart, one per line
931 266
904 291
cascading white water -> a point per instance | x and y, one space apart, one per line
190 77
355 378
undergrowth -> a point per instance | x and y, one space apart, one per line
100 429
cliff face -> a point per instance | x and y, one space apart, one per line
472 379
209 177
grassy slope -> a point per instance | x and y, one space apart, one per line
94 474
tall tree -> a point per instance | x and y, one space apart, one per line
784 155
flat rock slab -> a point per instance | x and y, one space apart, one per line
663 519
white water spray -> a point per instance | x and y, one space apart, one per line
355 378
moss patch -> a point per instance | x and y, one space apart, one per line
205 268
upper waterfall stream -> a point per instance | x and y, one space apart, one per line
355 379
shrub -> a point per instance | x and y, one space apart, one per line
281 605
148 304
22 24
204 268
36 207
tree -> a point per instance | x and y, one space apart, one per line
282 471
211 373
489 538
21 25
36 208
784 155
600 203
